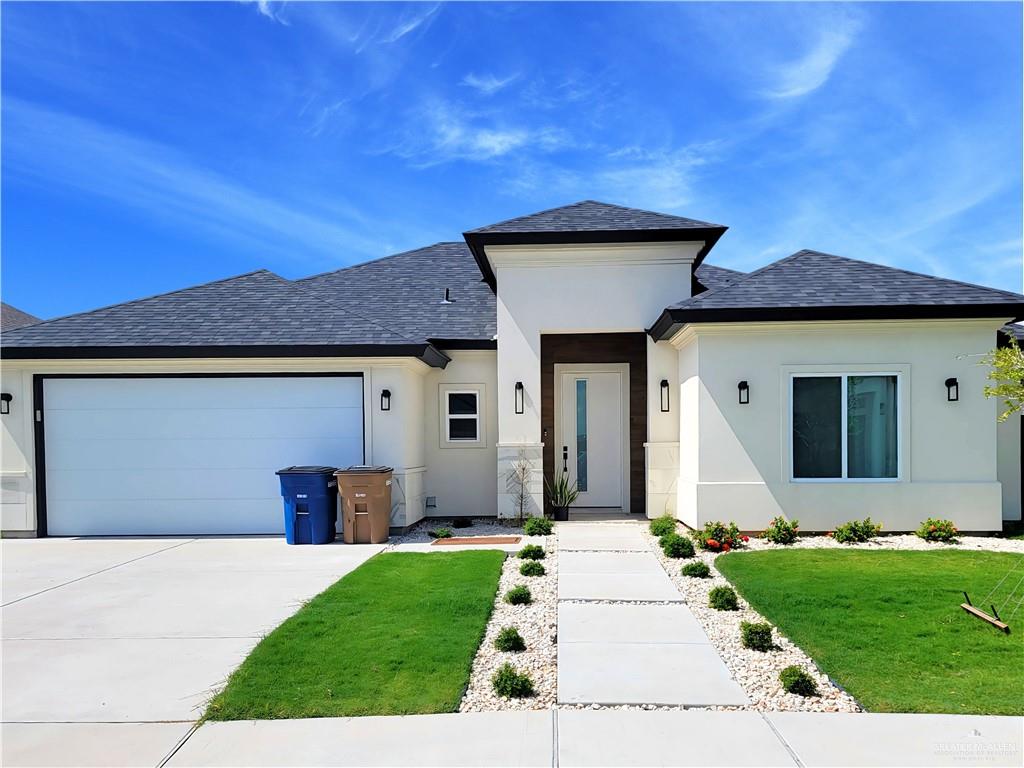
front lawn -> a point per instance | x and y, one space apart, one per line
888 626
397 636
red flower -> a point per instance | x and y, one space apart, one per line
932 528
746 538
726 547
712 544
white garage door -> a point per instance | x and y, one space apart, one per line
188 455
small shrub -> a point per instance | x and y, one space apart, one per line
698 569
532 568
531 552
757 637
723 599
674 545
795 680
659 526
462 522
519 595
509 640
719 537
440 533
510 684
537 526
781 531
937 530
856 531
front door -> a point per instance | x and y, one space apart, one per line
592 432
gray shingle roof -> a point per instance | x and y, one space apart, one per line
814 285
406 292
712 277
592 216
12 317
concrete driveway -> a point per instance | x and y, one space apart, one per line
111 646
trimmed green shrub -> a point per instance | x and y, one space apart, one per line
440 533
462 522
757 637
659 526
532 568
509 640
538 526
698 569
510 684
719 537
856 531
674 545
937 530
531 552
781 531
723 599
519 595
795 680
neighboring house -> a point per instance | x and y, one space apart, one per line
590 338
12 317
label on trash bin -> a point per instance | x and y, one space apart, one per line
301 495
360 495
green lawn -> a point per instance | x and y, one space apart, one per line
396 636
888 626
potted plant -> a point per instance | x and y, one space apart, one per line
562 494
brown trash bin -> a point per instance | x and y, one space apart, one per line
365 504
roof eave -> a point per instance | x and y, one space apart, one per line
672 320
478 241
425 352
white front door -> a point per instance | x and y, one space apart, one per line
592 433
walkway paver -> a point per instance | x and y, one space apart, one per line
633 641
90 744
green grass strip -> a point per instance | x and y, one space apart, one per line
396 636
888 625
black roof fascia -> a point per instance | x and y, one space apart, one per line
458 344
672 320
477 241
427 353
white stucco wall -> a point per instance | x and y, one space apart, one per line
1008 472
462 478
395 438
734 462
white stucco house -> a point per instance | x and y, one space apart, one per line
591 339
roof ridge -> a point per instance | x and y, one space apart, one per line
535 213
379 259
154 296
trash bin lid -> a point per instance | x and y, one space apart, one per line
305 471
363 469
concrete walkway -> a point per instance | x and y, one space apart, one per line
584 738
624 634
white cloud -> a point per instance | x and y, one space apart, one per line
487 84
56 148
812 70
409 24
266 8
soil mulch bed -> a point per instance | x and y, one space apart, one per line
476 540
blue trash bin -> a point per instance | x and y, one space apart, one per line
310 504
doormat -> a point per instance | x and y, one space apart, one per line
476 540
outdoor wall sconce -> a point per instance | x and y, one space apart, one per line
744 390
952 390
664 395
385 399
5 402
519 397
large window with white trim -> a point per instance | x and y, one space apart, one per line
845 427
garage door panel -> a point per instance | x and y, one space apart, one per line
208 453
160 517
188 455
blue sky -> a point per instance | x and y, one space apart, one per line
148 147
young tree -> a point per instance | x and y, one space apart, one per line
1007 371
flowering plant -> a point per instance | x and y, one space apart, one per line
781 531
719 537
938 530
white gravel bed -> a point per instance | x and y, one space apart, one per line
537 623
420 532
903 541
756 672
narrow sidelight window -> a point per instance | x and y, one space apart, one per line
581 435
845 427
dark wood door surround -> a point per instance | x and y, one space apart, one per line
567 348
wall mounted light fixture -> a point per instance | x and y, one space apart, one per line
744 390
952 390
664 396
385 399
5 402
520 395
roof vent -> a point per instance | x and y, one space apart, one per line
447 297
